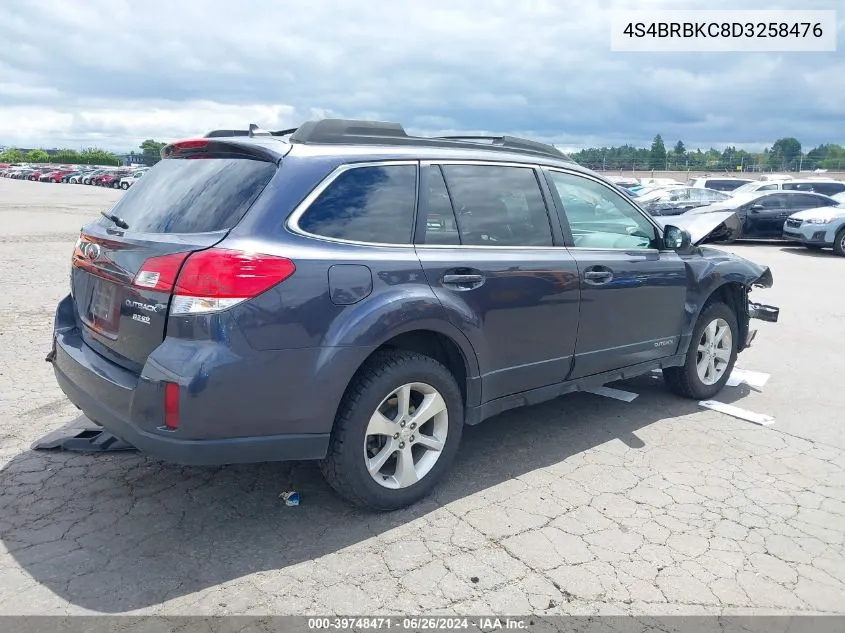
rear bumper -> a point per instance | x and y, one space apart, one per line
109 397
236 404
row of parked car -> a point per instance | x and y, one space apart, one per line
810 211
113 177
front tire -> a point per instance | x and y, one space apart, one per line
711 355
396 432
839 242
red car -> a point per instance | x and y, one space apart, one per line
111 180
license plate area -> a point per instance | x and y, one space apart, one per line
103 313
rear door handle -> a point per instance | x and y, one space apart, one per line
597 277
463 282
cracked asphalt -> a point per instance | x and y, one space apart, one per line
584 505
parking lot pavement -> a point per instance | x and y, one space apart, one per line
581 505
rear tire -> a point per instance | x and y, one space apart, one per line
711 356
372 439
124 185
839 242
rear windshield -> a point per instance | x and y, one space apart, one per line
193 195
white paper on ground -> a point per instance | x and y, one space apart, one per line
736 412
756 379
610 392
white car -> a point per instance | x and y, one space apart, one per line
719 183
822 227
131 179
824 186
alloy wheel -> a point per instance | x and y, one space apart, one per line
406 435
714 351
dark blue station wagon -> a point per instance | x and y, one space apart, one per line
349 293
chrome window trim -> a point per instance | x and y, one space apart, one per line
648 218
292 223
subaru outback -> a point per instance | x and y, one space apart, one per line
348 293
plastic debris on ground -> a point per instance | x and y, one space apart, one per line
754 379
291 498
743 414
616 394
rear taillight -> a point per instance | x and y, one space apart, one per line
159 273
212 280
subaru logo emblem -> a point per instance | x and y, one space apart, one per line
92 251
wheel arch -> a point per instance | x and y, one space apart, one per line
735 295
459 359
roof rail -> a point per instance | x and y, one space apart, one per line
355 132
350 131
512 142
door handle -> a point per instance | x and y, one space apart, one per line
463 282
597 277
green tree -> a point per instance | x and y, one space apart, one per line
12 155
785 153
38 156
97 156
679 149
66 156
151 151
657 156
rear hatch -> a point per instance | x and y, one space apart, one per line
124 267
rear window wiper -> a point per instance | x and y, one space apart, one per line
118 221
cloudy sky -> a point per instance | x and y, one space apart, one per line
110 73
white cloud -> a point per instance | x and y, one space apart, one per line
114 72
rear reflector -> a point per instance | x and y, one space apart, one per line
171 405
218 278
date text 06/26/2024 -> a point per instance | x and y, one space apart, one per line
723 31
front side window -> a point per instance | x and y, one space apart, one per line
772 201
601 218
498 205
366 204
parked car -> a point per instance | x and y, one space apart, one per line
53 176
625 182
826 186
819 227
719 183
259 297
111 179
86 180
678 200
762 213
128 181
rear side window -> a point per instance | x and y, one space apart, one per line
193 195
723 185
828 188
366 204
498 206
440 225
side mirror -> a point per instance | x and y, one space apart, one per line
676 238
